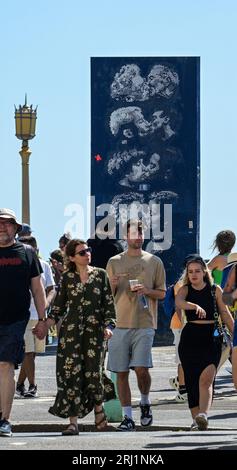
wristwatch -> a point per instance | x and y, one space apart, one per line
42 319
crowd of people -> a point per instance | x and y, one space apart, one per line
111 305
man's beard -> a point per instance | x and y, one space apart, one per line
5 239
135 245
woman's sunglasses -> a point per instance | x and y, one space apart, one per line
84 252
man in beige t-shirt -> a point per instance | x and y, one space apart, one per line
131 344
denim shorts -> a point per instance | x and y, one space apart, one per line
129 348
12 346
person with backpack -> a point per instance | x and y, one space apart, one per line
220 267
224 243
229 297
32 344
17 277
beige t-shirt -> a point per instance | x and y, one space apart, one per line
149 270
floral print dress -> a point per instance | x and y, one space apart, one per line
86 309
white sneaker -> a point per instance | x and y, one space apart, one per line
126 425
174 383
202 421
146 415
181 397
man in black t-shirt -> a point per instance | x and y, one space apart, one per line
19 273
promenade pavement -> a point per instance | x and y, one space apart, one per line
31 415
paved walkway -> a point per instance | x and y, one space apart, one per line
31 415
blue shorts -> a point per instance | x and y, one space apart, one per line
235 334
129 348
12 346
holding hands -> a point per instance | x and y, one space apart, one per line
108 333
41 329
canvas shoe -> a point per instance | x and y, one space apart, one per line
202 421
146 415
126 425
5 428
20 391
181 397
32 392
174 383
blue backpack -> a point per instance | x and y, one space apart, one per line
225 273
169 302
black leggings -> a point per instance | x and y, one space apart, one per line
197 350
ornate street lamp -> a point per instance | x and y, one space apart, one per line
25 119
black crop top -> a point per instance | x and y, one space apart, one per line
204 299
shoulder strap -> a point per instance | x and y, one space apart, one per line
216 314
29 254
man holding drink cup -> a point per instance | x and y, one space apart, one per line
135 286
138 280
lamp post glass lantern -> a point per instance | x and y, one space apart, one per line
25 120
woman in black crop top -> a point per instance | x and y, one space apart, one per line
198 352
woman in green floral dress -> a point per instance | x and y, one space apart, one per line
86 303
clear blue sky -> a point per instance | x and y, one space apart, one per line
45 50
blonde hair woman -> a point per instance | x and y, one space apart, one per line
198 351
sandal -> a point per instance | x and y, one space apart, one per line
102 424
71 430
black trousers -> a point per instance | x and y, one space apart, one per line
197 350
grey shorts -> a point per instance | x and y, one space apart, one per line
129 348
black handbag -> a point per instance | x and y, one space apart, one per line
221 334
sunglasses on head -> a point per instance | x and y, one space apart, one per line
196 259
84 252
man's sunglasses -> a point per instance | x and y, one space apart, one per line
84 252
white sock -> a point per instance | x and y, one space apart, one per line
145 399
127 410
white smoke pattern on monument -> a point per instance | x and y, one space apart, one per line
129 85
134 115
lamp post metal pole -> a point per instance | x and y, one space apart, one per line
25 154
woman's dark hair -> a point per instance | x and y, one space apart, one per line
224 241
65 238
57 255
71 250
